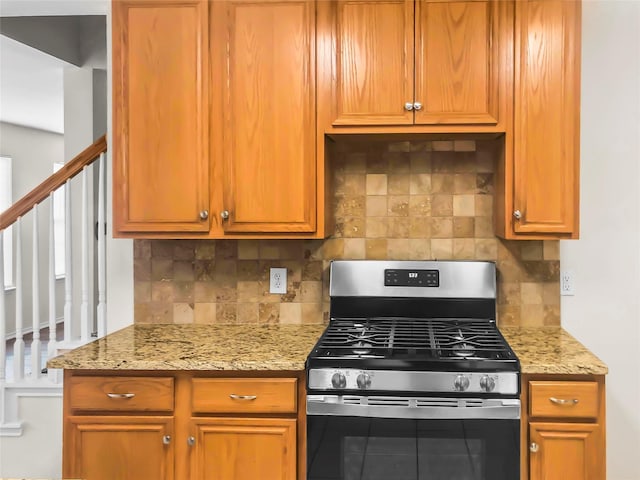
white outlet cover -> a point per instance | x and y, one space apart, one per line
278 280
567 283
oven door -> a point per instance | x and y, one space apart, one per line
403 438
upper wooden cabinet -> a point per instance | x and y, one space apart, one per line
263 115
160 118
215 120
541 169
401 62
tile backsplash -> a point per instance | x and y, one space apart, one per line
401 200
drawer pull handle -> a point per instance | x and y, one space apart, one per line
233 396
121 395
563 401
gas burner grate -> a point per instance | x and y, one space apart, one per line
468 339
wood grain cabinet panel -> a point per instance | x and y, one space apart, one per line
121 393
123 448
264 72
564 399
565 451
251 395
160 155
547 118
244 449
456 61
405 62
374 62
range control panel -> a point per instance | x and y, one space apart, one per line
411 278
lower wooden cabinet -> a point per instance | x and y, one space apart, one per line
244 448
559 451
563 428
126 448
166 425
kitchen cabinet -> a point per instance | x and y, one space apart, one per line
165 425
402 62
563 428
241 448
160 118
214 120
263 115
541 165
122 447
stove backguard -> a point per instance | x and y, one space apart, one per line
415 289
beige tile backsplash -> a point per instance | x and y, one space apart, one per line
403 200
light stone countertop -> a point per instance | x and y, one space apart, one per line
196 347
551 350
541 350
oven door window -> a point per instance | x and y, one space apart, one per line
360 448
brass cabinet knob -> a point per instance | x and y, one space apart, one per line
204 214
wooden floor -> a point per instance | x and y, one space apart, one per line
44 338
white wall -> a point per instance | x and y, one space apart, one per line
38 452
605 312
34 153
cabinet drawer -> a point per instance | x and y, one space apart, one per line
121 393
251 395
563 399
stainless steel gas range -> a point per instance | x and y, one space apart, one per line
412 379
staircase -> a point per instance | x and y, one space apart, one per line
27 343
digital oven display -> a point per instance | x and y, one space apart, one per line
411 278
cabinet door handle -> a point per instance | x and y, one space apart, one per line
408 106
166 440
204 214
121 395
417 106
233 396
534 447
517 214
191 441
224 214
563 401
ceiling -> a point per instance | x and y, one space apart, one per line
27 8
31 82
31 87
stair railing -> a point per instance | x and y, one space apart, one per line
90 320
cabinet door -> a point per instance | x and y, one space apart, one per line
126 448
160 155
374 62
265 71
565 451
457 46
547 116
244 449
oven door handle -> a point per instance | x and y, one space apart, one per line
413 407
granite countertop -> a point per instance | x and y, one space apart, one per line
541 350
551 350
196 347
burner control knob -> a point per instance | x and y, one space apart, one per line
338 380
363 380
461 383
487 383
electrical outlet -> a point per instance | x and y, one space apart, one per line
567 283
277 280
